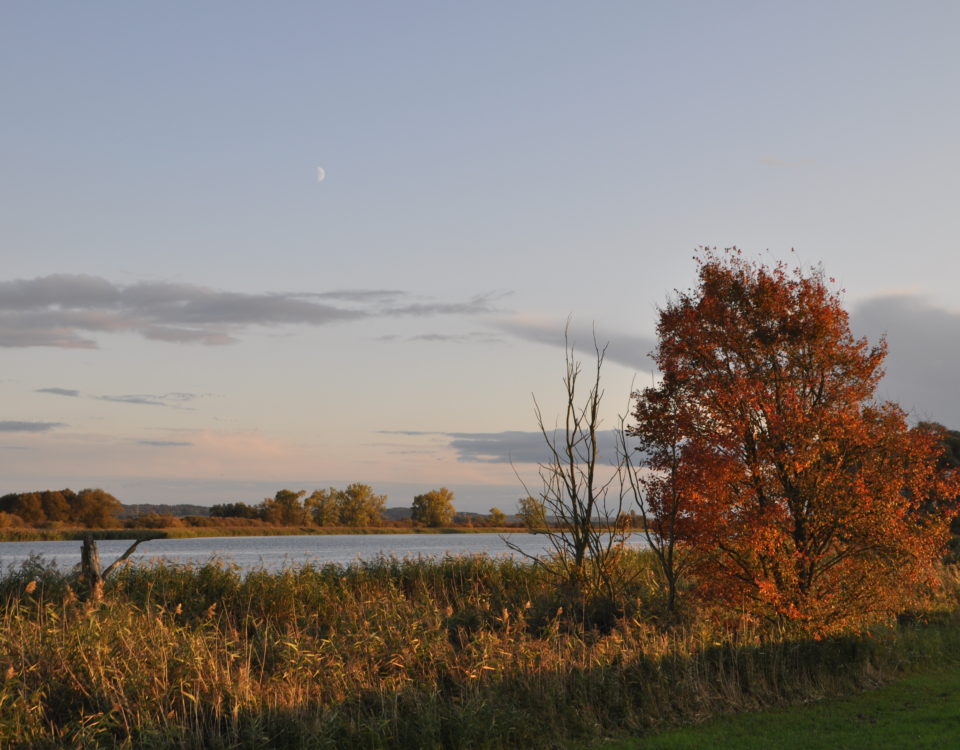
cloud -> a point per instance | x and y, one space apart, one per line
481 303
132 399
29 426
625 349
60 392
164 443
923 353
512 446
63 310
173 400
64 290
17 333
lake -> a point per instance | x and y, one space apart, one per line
278 552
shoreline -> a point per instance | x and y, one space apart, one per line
196 532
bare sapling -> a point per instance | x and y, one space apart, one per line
586 530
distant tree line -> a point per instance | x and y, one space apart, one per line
356 506
91 508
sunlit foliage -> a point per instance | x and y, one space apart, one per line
433 508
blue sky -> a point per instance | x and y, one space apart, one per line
188 314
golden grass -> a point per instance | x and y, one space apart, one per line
463 652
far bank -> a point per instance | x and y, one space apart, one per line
191 532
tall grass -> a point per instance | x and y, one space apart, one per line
463 652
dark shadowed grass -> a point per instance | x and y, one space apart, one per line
462 652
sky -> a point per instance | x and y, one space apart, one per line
249 245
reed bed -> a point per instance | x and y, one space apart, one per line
461 652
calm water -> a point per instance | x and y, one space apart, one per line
277 552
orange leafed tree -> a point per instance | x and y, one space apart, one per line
798 497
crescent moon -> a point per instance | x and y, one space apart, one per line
321 174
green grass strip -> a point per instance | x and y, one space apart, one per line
917 712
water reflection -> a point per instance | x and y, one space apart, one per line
278 552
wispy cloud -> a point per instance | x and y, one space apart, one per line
172 400
63 310
143 400
29 426
164 443
480 303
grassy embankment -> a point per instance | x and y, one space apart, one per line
921 712
466 652
192 532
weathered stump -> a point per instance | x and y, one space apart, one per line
90 572
90 568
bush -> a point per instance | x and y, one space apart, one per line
10 521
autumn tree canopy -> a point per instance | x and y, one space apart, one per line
433 508
285 509
357 505
360 506
533 513
93 508
324 506
796 496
